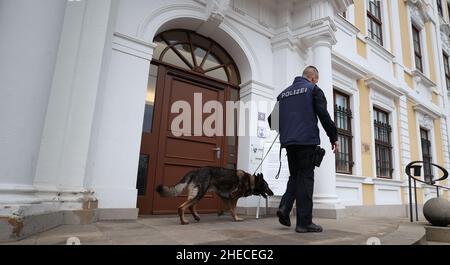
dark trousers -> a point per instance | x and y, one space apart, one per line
300 187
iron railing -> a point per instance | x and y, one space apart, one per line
413 178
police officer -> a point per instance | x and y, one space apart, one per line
300 107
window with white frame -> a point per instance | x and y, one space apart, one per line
374 21
426 154
448 8
439 8
418 56
343 118
383 144
447 70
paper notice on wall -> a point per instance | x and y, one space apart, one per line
271 166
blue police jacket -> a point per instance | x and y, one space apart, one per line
301 106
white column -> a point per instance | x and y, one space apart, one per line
325 196
397 49
115 146
30 33
62 164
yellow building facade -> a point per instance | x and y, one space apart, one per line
400 58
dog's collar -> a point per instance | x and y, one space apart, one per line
251 180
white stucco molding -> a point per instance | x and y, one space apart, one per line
445 37
387 191
387 182
384 87
341 5
428 111
133 46
244 55
318 31
380 50
216 10
17 194
257 88
420 78
284 38
445 28
150 24
346 26
421 12
347 66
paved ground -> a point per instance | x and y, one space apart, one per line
222 231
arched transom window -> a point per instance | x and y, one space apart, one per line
193 52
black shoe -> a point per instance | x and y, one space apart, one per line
312 228
283 218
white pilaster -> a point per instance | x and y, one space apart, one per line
325 196
30 33
62 164
320 36
115 145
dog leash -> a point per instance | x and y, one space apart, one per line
268 152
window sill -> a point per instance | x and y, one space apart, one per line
380 50
346 25
388 182
350 178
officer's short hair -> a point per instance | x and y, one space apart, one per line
311 70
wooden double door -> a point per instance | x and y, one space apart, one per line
165 157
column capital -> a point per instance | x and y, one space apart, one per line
342 5
319 32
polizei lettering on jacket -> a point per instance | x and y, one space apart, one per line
294 92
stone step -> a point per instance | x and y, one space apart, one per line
437 234
432 243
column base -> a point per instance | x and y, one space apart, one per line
328 207
329 213
15 227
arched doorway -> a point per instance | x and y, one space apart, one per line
184 64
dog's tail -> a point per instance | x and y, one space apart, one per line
176 190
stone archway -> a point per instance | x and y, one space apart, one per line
185 65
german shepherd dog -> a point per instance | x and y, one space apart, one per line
230 185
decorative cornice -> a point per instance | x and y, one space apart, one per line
216 10
347 66
419 77
445 28
382 51
285 39
387 182
350 178
384 87
321 30
346 26
254 87
428 111
419 11
133 46
342 5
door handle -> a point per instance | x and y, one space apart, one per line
218 151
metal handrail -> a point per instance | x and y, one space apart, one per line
417 173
